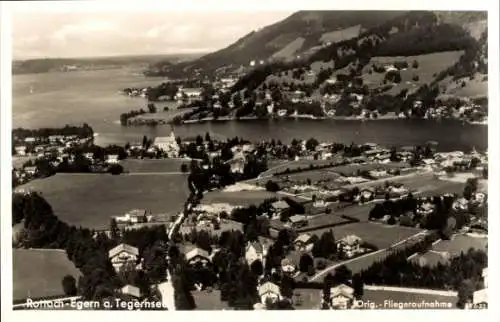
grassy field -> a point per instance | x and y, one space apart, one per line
208 301
241 198
339 35
303 164
289 50
429 64
380 235
428 185
167 115
476 87
324 219
39 273
461 243
359 212
153 165
350 168
90 200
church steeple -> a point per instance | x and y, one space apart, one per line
172 133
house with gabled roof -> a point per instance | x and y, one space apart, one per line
198 255
269 291
304 242
131 291
123 254
255 251
279 206
342 296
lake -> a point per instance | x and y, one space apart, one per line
59 98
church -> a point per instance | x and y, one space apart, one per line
168 144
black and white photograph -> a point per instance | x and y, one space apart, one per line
280 158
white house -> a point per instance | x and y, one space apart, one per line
282 112
123 254
331 80
255 251
269 292
134 216
367 194
461 204
112 159
189 93
30 170
342 297
351 245
20 150
287 266
237 163
131 291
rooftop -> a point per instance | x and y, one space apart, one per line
123 248
131 290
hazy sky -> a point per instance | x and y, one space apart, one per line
81 34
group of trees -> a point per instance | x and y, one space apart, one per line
124 117
42 229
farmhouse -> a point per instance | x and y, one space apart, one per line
20 150
287 265
112 159
134 216
269 292
304 242
279 207
189 93
350 245
298 221
198 255
254 251
425 209
342 296
30 170
131 292
237 163
367 194
461 204
297 96
123 254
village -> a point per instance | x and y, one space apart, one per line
301 93
330 207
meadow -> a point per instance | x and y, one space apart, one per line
380 235
461 243
153 165
239 198
38 273
429 65
89 200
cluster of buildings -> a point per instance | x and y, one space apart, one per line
53 148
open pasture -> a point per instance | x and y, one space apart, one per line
89 200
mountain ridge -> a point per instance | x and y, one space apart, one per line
305 33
